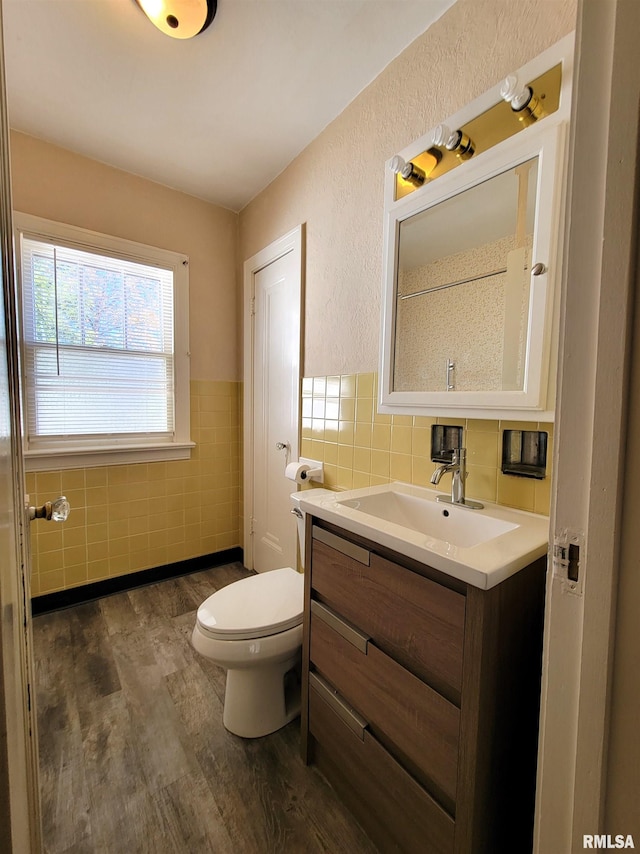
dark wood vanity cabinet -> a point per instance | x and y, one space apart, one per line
421 696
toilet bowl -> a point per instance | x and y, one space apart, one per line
253 628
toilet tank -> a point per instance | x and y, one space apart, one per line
300 517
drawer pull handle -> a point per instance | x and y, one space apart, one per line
344 546
342 627
351 718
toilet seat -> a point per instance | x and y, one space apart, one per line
254 607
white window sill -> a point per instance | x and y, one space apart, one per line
75 458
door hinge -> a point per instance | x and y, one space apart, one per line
253 307
567 549
252 524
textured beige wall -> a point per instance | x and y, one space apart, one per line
336 183
57 184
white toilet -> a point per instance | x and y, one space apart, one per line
253 627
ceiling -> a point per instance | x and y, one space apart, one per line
218 116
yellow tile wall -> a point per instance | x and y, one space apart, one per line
128 518
361 447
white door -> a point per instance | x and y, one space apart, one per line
272 398
19 797
591 459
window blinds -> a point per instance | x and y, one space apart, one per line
98 346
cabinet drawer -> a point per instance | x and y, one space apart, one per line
395 810
399 707
415 620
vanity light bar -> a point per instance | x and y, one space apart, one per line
521 105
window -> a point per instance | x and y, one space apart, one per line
104 347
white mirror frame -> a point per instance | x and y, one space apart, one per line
546 140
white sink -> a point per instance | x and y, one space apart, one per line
482 547
456 525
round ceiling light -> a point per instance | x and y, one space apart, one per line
180 19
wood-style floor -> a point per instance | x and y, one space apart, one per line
133 753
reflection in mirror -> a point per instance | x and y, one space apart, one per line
463 287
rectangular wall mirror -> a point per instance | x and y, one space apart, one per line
469 284
463 288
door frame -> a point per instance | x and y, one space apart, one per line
293 242
598 281
19 773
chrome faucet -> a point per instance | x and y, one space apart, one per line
458 469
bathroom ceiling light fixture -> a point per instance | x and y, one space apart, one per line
180 19
522 99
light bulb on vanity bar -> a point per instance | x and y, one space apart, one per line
522 99
411 172
456 141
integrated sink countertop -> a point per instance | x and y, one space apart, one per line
481 547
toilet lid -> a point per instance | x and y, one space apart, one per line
254 607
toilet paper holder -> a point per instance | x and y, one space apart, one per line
304 470
316 470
